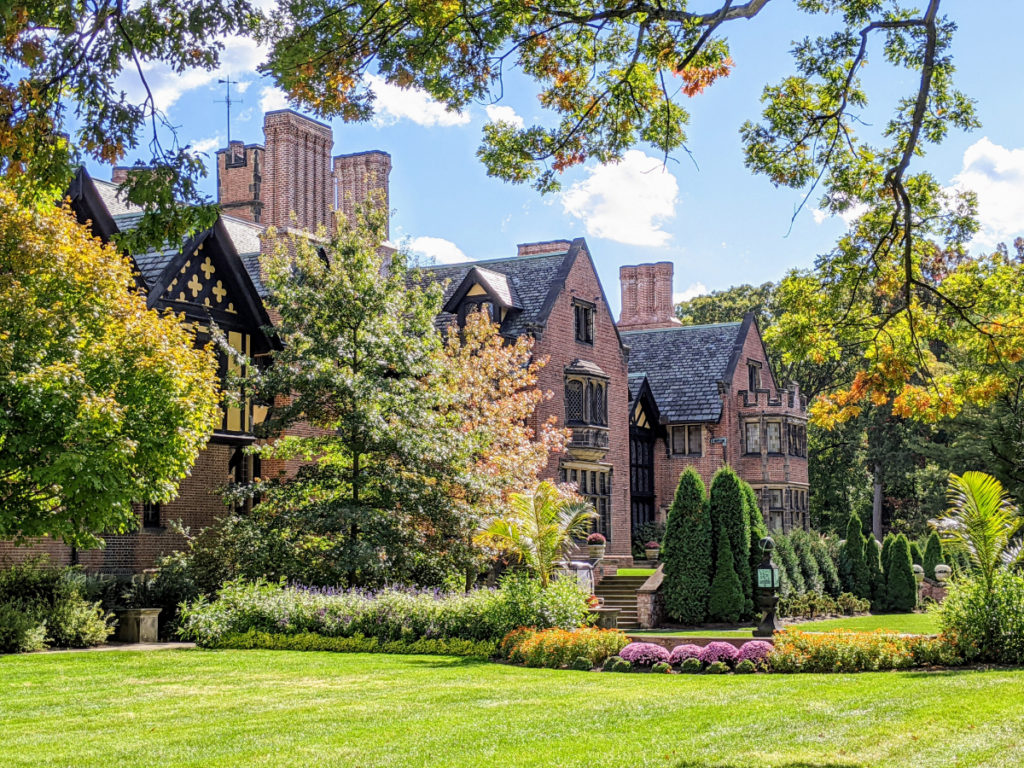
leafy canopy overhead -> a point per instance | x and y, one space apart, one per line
614 74
69 75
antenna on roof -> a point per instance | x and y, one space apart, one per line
227 100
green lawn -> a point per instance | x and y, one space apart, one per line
635 572
907 623
264 708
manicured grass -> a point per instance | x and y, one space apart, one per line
635 572
905 623
264 708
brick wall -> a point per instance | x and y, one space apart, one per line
761 470
298 169
557 343
197 505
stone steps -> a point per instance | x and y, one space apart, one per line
620 592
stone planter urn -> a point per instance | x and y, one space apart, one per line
652 552
918 573
138 625
942 572
595 546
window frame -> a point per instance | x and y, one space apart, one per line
746 438
771 500
768 426
152 515
594 393
753 375
688 429
593 483
583 321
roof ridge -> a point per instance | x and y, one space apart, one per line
728 324
494 261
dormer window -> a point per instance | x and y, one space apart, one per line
583 312
478 304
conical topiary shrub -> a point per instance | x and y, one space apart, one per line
932 555
901 587
729 517
726 601
686 552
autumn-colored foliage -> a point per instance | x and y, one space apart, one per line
104 402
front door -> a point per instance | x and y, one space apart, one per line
641 475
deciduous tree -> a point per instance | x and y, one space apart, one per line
103 402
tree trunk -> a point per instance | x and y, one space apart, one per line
876 507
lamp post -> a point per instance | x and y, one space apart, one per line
768 582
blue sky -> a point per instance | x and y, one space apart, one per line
718 223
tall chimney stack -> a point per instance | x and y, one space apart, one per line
646 297
357 177
240 181
298 171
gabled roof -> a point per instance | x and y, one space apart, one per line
497 285
530 281
237 242
683 366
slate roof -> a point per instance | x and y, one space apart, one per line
244 235
531 277
683 366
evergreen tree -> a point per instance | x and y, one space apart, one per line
916 556
853 567
872 557
901 589
802 543
729 519
726 601
932 555
886 560
758 531
826 567
785 556
686 552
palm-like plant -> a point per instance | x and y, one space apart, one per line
540 527
983 520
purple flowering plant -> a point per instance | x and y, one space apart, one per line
719 651
644 654
756 651
683 652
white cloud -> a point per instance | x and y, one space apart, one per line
272 98
393 104
848 216
996 174
690 292
437 248
627 201
499 114
210 144
240 56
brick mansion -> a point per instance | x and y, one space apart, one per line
644 396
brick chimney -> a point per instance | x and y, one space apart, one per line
297 172
359 175
119 175
240 181
646 297
547 246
